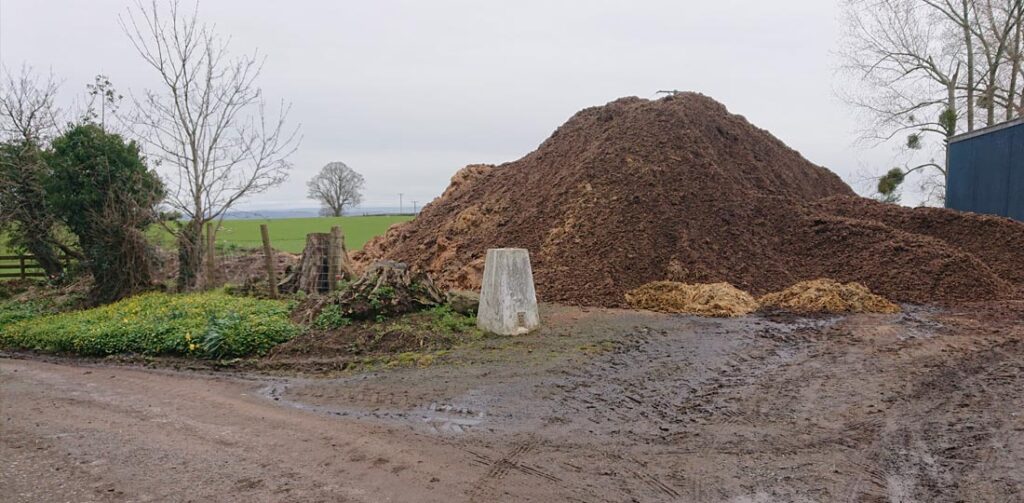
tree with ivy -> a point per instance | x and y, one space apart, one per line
102 190
28 120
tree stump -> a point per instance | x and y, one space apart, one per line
312 274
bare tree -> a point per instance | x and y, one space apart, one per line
28 121
207 122
28 110
336 187
919 69
995 27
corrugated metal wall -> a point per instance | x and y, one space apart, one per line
986 171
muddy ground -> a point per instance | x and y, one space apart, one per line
600 405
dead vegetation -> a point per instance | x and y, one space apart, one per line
385 289
828 296
713 299
821 295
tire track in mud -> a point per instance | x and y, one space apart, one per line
644 475
487 487
837 409
934 440
654 384
787 395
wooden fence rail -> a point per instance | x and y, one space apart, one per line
26 266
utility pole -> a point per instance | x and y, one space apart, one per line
400 203
414 207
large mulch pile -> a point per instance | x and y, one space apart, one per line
715 299
828 296
680 189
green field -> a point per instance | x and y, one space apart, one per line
289 234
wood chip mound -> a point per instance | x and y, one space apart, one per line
734 204
829 296
703 299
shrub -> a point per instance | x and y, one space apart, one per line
208 325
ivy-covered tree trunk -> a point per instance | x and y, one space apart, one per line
190 255
27 220
46 256
102 190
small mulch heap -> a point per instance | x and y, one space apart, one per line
706 299
828 296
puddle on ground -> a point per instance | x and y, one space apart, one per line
434 417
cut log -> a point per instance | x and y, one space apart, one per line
312 273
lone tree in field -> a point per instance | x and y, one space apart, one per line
206 124
336 187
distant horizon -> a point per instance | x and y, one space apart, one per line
314 212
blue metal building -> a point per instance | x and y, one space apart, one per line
986 170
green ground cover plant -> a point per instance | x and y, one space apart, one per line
204 325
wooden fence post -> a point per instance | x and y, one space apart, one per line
345 268
333 258
268 256
211 254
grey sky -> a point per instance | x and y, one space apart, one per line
408 92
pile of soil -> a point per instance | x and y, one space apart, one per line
828 296
680 189
720 300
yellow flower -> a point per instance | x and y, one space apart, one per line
191 347
188 337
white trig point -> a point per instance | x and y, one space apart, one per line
508 302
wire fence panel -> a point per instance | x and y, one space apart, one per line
320 262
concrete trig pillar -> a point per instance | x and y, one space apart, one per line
508 301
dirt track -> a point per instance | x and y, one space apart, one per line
599 406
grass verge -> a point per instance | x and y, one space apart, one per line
206 325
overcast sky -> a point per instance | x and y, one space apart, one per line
408 92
